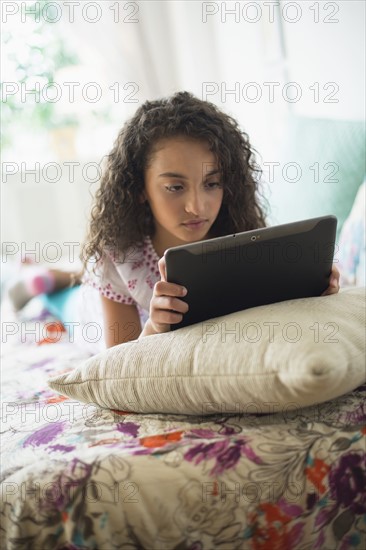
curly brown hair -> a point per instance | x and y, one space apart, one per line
120 220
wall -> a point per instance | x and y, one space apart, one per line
181 51
328 52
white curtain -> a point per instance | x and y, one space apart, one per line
209 48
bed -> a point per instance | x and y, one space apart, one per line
78 476
75 475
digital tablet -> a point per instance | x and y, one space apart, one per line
254 268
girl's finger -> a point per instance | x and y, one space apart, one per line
163 288
164 303
335 272
162 268
167 318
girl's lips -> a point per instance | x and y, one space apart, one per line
195 225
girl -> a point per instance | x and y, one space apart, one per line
180 171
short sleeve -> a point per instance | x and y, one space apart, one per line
107 280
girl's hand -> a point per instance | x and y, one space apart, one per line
333 287
165 307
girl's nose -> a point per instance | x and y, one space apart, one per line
194 204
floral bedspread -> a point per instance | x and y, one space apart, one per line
75 476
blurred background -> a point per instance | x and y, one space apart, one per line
291 73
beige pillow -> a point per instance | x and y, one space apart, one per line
267 359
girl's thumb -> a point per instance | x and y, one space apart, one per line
162 268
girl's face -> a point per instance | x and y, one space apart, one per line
184 190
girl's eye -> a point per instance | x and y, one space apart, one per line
214 185
173 188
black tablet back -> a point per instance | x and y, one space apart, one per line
254 268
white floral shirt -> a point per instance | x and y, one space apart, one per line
130 282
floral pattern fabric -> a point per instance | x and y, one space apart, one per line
76 476
129 280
